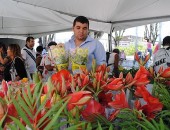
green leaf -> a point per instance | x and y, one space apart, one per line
26 98
19 124
111 127
29 94
74 127
22 113
49 112
50 124
24 106
99 126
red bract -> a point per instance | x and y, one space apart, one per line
11 111
116 84
78 99
165 73
152 105
120 101
140 91
2 94
141 77
4 87
93 109
57 77
61 80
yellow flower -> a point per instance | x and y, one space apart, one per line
79 51
24 80
43 98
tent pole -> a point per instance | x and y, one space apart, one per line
110 38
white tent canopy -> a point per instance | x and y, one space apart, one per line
40 17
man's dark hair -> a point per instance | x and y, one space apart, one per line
39 49
29 38
116 51
166 41
52 43
81 19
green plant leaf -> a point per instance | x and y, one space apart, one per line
19 124
21 113
26 98
24 106
74 127
50 124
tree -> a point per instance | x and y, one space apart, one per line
46 39
151 32
118 35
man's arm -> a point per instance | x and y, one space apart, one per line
23 53
100 54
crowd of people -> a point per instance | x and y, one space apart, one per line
17 63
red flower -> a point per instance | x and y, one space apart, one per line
120 101
78 99
2 94
165 73
140 90
93 109
11 112
57 77
62 80
105 98
116 84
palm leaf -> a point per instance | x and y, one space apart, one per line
19 124
22 113
24 106
50 124
50 112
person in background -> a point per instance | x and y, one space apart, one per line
48 63
4 60
122 57
113 63
162 56
81 39
17 68
39 50
29 55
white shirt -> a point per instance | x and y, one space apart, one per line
30 63
111 61
46 60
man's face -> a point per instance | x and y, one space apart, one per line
31 43
80 31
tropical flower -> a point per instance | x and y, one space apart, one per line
92 110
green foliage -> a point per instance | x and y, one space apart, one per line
162 92
130 50
126 71
29 107
127 123
152 125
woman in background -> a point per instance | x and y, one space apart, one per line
4 60
113 63
17 68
